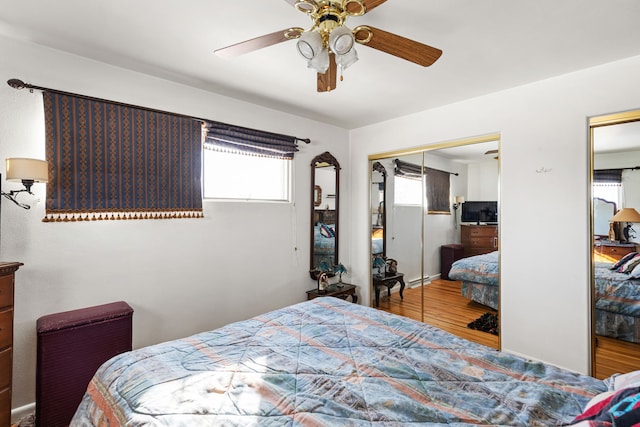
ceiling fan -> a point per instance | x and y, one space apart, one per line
330 44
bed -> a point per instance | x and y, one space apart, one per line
328 362
480 278
617 298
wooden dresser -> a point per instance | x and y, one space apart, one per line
7 273
614 251
479 239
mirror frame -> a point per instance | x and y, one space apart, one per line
373 158
328 160
378 167
595 122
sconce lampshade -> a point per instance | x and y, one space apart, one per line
459 199
626 215
20 169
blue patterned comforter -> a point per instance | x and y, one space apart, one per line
327 362
483 269
616 292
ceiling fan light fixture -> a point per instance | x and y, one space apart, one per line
341 40
309 45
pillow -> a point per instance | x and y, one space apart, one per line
620 381
635 274
624 259
628 266
618 408
326 231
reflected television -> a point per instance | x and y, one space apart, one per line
480 212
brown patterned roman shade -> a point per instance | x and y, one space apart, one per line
115 161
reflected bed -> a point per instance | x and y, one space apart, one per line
329 362
480 278
617 303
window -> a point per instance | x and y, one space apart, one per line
247 164
236 176
608 191
407 191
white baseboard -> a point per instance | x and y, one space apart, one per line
427 279
18 413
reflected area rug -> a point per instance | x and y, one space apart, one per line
28 421
488 322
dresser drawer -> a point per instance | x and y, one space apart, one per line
6 291
616 252
6 360
485 231
483 242
6 328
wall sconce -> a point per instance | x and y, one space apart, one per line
457 201
27 171
628 215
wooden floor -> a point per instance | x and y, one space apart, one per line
445 308
615 356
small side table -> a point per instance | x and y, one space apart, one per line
389 280
334 290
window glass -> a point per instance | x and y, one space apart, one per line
242 177
407 191
609 192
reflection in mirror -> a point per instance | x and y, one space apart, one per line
378 191
615 144
424 239
325 184
603 211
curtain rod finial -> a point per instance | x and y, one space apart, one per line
16 83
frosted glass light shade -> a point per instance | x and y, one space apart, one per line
309 45
19 169
320 62
341 41
345 61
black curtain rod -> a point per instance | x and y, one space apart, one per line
415 167
450 173
19 84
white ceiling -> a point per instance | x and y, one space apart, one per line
488 45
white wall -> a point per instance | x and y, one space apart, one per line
180 276
545 254
483 177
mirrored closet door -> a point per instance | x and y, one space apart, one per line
427 229
615 234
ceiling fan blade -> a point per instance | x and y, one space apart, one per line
399 46
259 43
327 81
371 4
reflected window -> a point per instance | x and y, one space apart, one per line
611 192
407 191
